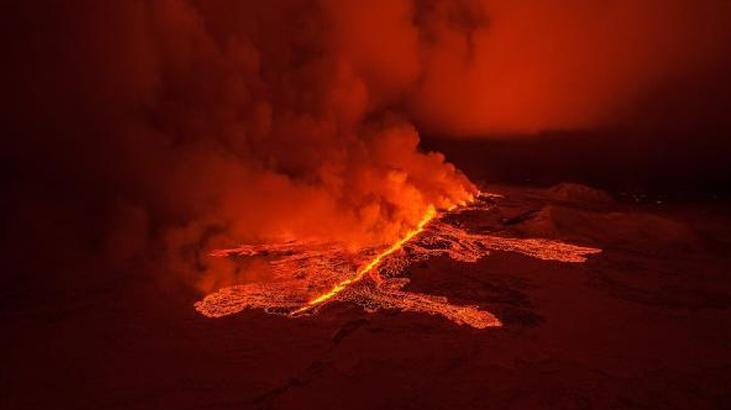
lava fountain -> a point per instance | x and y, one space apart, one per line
309 275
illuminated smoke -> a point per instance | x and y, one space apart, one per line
163 129
528 66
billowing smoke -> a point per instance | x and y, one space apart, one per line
177 126
168 127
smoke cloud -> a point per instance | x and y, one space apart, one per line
179 126
168 127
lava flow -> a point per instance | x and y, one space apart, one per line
370 266
308 275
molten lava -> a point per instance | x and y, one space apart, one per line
308 275
370 266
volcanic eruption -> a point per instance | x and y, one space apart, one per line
366 204
196 125
371 277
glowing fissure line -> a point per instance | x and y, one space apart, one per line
430 214
302 265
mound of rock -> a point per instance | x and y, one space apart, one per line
570 192
622 229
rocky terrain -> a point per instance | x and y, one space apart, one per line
645 324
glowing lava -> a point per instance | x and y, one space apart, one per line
308 275
370 266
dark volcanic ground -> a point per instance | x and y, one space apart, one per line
646 324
